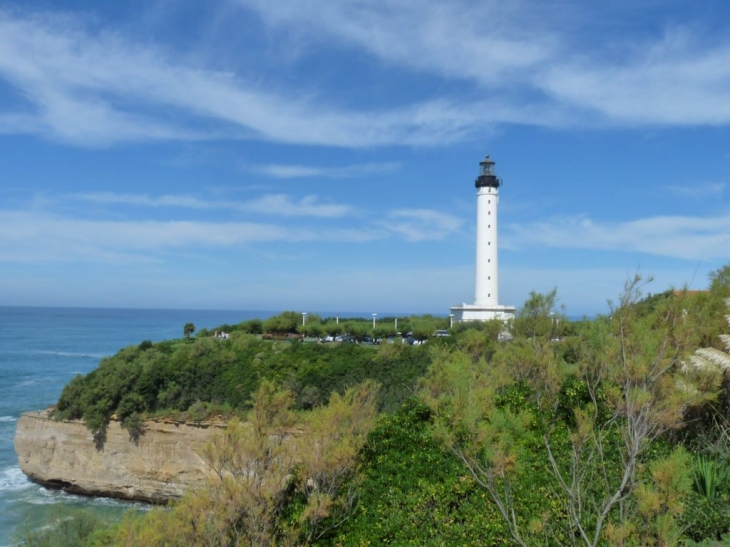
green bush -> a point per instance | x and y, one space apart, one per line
176 376
416 493
75 530
706 518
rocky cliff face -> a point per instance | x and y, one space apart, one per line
163 463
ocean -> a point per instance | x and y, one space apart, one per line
41 349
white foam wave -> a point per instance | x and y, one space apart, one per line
12 479
73 354
8 419
45 496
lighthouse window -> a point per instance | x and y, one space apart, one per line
489 260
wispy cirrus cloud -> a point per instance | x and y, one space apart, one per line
35 236
532 57
488 42
273 204
40 237
285 171
514 63
689 238
100 88
421 224
283 205
699 192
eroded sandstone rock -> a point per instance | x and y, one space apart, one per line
160 466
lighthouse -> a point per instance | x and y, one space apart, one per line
486 283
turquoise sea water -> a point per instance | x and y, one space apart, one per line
41 349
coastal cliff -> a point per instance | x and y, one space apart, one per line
157 467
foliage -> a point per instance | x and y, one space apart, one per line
536 318
706 518
327 459
74 529
709 476
188 330
261 468
415 493
287 321
720 281
636 392
205 377
582 441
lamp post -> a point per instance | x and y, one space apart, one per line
374 316
304 318
451 320
552 325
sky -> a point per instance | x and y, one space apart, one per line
319 156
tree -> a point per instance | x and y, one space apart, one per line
264 467
422 330
252 462
536 318
188 330
720 280
591 433
383 331
358 329
327 455
285 322
333 328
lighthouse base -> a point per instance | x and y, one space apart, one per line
473 312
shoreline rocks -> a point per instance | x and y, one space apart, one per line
157 467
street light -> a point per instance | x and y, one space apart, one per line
304 318
374 316
552 325
451 320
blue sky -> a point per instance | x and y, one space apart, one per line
317 155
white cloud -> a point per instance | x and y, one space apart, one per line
421 224
485 41
36 237
700 191
283 205
530 59
513 62
97 89
675 82
689 238
275 204
284 171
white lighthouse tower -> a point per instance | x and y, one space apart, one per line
486 298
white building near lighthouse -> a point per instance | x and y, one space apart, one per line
486 294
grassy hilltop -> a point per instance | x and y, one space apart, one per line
611 431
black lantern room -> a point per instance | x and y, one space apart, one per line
486 177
